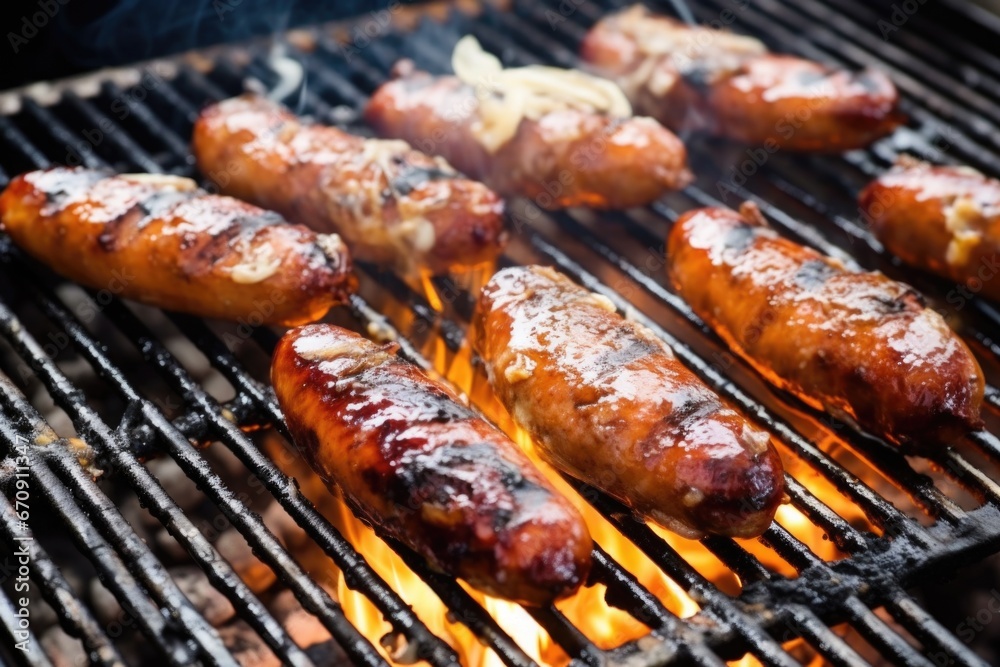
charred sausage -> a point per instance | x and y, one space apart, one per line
941 219
162 241
608 403
859 345
559 153
391 204
694 78
412 460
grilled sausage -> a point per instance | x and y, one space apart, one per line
859 345
564 157
391 204
941 219
162 241
698 79
608 403
412 460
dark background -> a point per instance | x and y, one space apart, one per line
82 35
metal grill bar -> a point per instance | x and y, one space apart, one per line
457 598
461 603
312 596
931 633
921 489
727 628
34 656
85 493
881 636
886 149
930 498
253 459
57 590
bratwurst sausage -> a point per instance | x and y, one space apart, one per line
411 459
859 345
162 241
608 403
941 219
694 78
391 204
526 138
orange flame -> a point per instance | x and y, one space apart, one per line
604 625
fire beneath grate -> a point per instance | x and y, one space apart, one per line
195 575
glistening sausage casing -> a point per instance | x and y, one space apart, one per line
859 345
411 459
608 403
162 241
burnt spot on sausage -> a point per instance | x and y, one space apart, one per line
60 185
738 491
423 403
739 238
455 470
199 260
160 203
254 221
410 177
157 204
870 81
809 77
631 348
466 493
908 301
813 274
680 421
116 231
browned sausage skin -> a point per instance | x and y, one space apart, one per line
941 219
162 241
607 402
391 204
859 345
412 460
693 78
566 157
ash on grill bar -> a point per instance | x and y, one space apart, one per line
156 508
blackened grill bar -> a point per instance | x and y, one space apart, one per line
871 576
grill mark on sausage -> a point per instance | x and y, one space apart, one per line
632 348
156 205
866 79
255 221
739 237
426 403
114 236
62 186
423 469
447 485
159 204
807 78
813 274
198 260
908 301
410 177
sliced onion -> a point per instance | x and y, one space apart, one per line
507 96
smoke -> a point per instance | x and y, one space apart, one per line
96 33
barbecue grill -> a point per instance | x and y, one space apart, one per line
95 391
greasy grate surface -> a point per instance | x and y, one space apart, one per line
918 517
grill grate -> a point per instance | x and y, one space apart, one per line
771 608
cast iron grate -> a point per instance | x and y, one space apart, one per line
949 121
